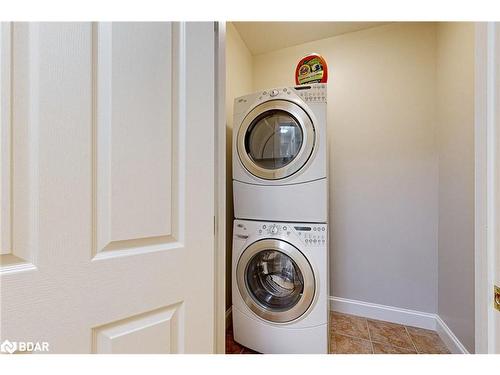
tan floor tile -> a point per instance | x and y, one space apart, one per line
427 341
379 348
389 333
349 325
340 344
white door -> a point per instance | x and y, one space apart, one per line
107 198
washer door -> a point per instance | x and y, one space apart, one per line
275 140
275 280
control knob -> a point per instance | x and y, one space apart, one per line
273 229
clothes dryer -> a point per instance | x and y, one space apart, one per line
280 154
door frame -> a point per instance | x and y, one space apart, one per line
220 188
487 180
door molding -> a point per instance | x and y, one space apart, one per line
487 165
220 187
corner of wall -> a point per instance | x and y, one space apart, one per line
455 126
239 81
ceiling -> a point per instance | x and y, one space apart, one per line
262 37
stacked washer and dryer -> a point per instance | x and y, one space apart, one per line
280 241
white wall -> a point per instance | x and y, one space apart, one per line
455 119
238 82
383 169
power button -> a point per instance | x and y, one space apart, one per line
274 92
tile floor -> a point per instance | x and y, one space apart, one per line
356 335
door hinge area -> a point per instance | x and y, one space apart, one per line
496 297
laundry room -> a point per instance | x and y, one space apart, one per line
351 196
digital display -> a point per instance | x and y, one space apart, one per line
308 229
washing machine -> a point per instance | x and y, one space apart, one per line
280 154
280 286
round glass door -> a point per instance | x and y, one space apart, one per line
275 280
275 139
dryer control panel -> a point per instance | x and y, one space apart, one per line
312 93
309 93
313 234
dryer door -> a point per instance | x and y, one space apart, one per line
275 280
275 140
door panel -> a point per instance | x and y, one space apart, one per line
135 188
117 125
157 331
17 185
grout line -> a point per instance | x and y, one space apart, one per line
394 346
411 339
345 334
424 334
369 335
348 336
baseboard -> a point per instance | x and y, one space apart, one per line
382 312
401 316
449 338
229 317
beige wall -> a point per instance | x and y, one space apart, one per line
455 119
238 82
383 167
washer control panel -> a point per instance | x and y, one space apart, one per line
313 234
309 234
273 229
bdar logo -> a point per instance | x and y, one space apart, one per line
8 347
